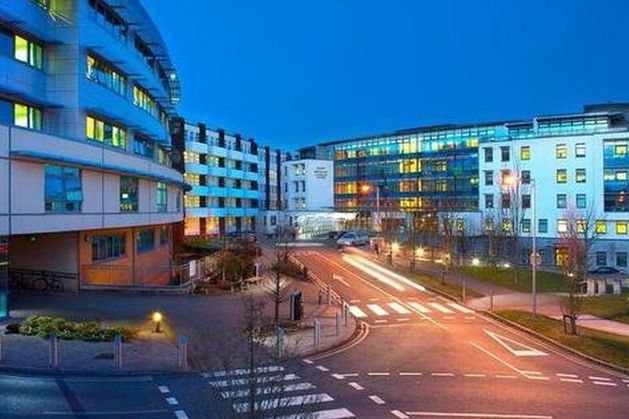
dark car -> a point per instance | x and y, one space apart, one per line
605 270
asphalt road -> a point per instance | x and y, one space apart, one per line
423 356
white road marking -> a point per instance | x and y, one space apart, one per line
399 414
605 383
354 301
376 399
506 376
531 372
449 317
351 374
172 401
391 274
399 308
339 278
377 310
374 299
502 361
284 402
567 375
420 308
404 319
308 361
245 371
515 347
245 381
625 380
181 414
338 376
378 374
470 317
572 380
410 373
475 375
279 388
599 378
341 413
380 321
461 308
356 386
478 415
322 368
374 273
163 389
442 374
537 377
357 312
441 308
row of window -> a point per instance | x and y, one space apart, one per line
113 246
561 152
64 192
599 227
28 52
105 132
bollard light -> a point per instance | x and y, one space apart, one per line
395 247
506 265
476 262
157 319
419 252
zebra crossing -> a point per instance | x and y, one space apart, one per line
278 394
398 310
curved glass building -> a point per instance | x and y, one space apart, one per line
87 191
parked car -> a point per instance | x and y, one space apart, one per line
352 239
605 270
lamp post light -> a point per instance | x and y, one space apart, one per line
157 319
366 189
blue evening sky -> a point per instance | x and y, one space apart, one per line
292 73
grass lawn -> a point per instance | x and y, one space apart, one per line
601 345
546 281
434 283
612 307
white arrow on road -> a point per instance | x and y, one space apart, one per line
515 347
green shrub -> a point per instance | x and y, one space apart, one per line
45 326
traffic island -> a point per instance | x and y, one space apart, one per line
603 348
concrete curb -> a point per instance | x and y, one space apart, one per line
86 373
359 330
557 344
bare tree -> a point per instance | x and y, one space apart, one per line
277 290
575 244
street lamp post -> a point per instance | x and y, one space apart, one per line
367 189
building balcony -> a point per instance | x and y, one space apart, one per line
22 81
30 18
216 171
217 151
196 147
195 168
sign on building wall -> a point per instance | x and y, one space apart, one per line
321 172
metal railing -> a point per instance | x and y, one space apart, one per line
40 281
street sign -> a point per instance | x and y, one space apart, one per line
536 259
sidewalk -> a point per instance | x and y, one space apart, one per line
504 298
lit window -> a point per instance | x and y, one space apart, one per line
580 176
601 227
561 151
27 117
460 224
562 176
621 227
507 225
620 175
104 132
579 150
28 52
505 177
620 150
128 194
581 226
143 100
562 225
525 153
104 74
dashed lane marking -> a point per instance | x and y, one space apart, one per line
351 374
163 389
308 361
571 380
181 414
442 374
356 386
605 383
322 368
354 301
567 375
599 378
506 376
172 401
410 374
475 375
374 299
404 319
381 321
538 377
399 414
338 376
381 374
376 399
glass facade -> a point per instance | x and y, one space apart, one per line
616 166
63 191
418 171
4 275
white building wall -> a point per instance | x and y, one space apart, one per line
310 185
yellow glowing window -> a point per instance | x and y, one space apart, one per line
489 224
460 224
580 175
562 176
562 225
339 155
561 151
351 154
408 203
192 201
472 142
441 166
408 166
621 227
620 175
20 115
601 227
620 150
507 225
192 178
442 185
525 153
21 49
409 147
190 157
581 226
28 52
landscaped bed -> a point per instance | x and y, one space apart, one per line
46 326
604 346
505 277
611 307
